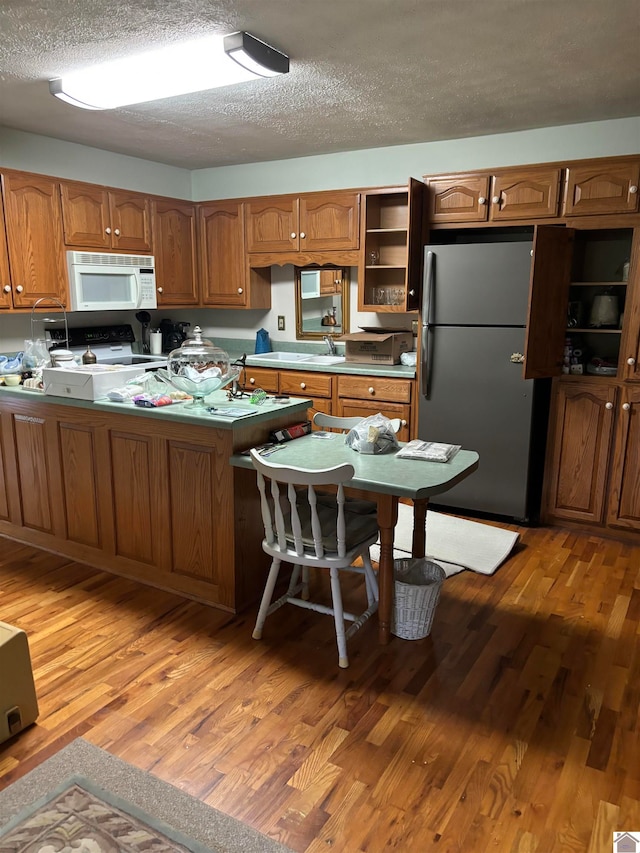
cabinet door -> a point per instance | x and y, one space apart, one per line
548 299
272 224
624 500
602 188
130 216
80 483
5 273
222 257
531 194
174 238
329 222
34 238
629 359
85 215
34 476
582 427
463 198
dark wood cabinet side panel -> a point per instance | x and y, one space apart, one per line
33 472
624 503
79 483
132 499
191 481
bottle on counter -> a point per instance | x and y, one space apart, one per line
89 357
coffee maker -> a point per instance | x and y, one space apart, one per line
173 334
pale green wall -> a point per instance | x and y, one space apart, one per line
373 167
47 156
389 166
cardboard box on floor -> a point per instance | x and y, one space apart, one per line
376 348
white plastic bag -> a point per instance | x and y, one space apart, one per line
372 435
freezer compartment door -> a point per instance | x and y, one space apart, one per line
478 284
479 400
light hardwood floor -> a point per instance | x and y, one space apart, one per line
514 727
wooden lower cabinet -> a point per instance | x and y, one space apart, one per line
318 386
156 501
367 395
593 472
624 495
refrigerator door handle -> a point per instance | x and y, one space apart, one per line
425 365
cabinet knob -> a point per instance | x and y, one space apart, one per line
608 405
626 407
252 380
107 230
7 288
482 200
19 288
293 235
240 290
302 235
412 293
633 190
631 361
303 385
372 390
117 232
496 199
403 422
160 290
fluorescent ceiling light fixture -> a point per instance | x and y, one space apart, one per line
194 66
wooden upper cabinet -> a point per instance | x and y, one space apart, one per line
225 278
525 194
311 223
605 187
329 222
459 198
548 299
6 300
504 195
97 218
34 239
174 238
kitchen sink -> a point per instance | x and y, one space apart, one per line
324 359
277 356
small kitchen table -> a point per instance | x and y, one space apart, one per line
383 478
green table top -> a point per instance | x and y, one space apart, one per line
385 473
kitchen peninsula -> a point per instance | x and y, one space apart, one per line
147 494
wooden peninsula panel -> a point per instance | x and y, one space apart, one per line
152 499
80 488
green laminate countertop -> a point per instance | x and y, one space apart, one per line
383 472
177 412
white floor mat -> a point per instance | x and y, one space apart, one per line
455 543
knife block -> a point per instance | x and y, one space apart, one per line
18 703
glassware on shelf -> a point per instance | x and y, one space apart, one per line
373 257
199 368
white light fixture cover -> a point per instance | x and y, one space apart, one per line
174 70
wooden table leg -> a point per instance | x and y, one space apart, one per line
387 520
419 522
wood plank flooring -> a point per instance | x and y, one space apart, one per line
513 727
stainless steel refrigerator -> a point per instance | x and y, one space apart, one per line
474 312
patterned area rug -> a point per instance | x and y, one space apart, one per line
137 814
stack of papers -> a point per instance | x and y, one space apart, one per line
430 451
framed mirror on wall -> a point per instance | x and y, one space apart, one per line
322 301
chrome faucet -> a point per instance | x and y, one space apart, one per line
331 344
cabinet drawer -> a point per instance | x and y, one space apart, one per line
306 384
261 377
375 388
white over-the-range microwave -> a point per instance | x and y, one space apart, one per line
102 282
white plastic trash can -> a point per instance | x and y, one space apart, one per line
417 584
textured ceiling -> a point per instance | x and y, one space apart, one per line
364 73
